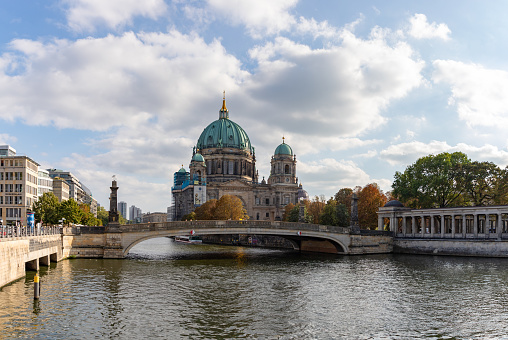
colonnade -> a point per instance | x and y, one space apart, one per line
470 222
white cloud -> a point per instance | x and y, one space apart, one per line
7 139
341 90
479 94
86 15
261 17
420 28
407 153
114 81
327 176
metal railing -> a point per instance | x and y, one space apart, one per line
7 231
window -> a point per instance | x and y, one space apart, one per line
257 216
8 199
18 199
8 188
1 176
1 201
1 188
257 201
286 200
18 188
19 176
267 214
231 170
8 176
286 169
267 201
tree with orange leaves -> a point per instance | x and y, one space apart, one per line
370 198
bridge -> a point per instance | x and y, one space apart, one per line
22 249
117 240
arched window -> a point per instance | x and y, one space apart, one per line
286 170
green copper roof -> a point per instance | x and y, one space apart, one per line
182 170
283 149
224 133
198 158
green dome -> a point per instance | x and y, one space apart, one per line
283 149
224 133
198 158
182 170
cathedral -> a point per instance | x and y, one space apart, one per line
224 163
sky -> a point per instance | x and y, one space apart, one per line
359 89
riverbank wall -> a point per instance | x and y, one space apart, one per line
453 247
19 254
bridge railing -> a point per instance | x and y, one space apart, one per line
160 226
9 232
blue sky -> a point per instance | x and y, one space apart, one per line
359 89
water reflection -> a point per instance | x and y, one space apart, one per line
173 291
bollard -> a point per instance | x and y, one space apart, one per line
37 287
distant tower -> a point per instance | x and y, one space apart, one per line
113 198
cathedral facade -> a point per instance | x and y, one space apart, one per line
224 163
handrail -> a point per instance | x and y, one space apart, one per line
11 232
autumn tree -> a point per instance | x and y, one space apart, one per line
370 199
230 207
315 208
206 210
103 216
432 181
287 211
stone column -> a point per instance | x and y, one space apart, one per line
413 226
499 226
453 225
475 225
432 225
464 225
487 224
423 225
404 225
380 222
393 224
442 226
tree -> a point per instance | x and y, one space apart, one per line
287 211
46 208
103 216
432 181
230 207
344 196
482 181
334 214
189 217
370 198
206 210
69 210
316 207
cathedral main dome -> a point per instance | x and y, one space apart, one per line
224 133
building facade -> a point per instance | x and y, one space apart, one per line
135 214
122 209
60 189
224 163
18 185
45 183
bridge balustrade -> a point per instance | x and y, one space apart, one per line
11 232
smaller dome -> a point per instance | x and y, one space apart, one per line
182 170
283 149
394 204
198 158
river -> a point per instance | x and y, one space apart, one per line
167 290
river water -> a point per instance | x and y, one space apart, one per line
167 290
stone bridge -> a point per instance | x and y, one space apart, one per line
117 240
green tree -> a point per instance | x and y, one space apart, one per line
334 214
46 208
69 210
189 217
482 182
432 181
344 196
103 216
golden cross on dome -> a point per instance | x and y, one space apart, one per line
283 139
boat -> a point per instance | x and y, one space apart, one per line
188 239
